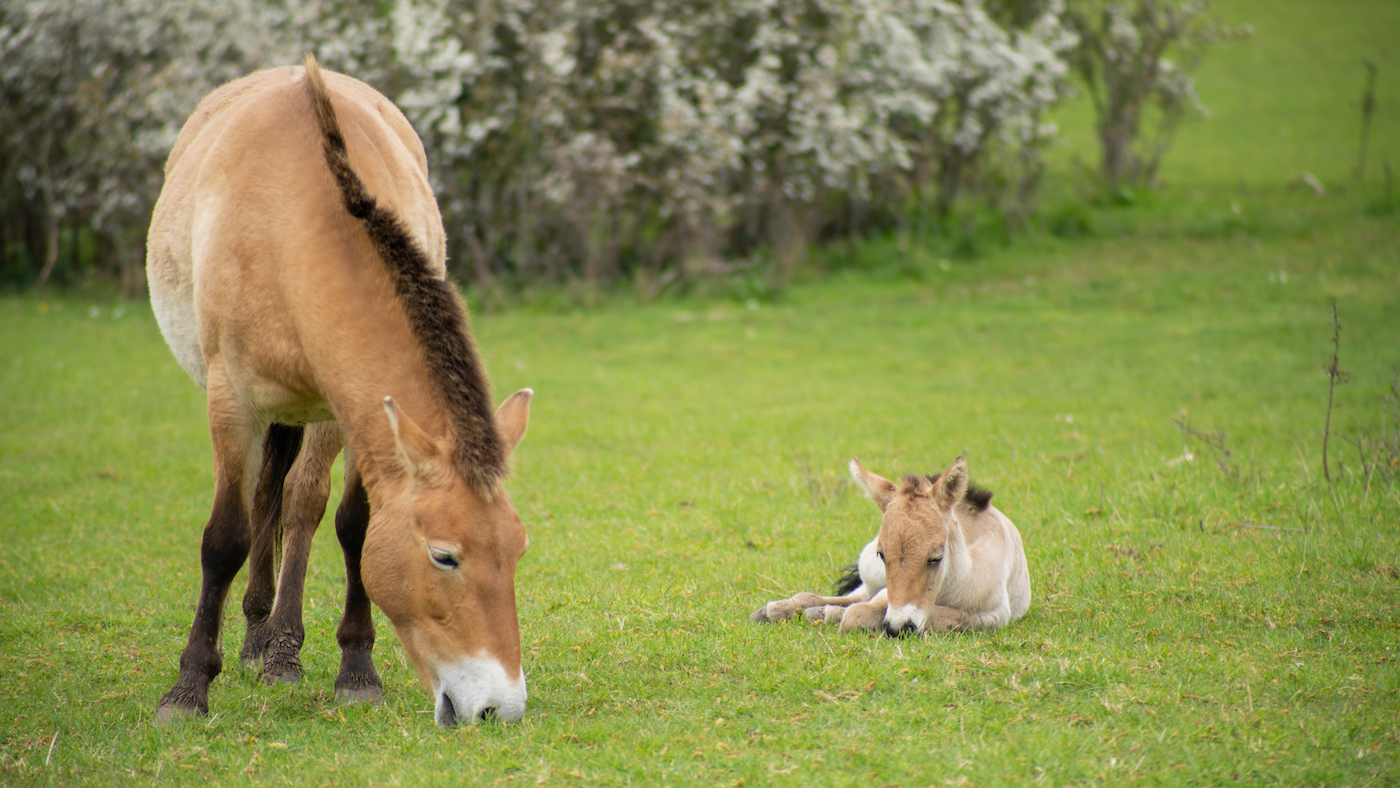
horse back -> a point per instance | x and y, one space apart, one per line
252 254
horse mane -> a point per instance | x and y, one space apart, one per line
978 497
434 308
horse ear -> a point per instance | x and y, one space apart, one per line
952 485
877 488
513 417
416 448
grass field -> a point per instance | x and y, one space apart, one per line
685 464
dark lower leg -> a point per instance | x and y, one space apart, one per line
308 485
225 548
357 680
280 447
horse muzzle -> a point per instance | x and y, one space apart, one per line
478 689
905 621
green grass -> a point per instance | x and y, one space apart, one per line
684 465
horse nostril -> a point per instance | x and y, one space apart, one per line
448 717
907 630
487 714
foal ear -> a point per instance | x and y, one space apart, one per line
877 488
952 485
416 448
513 417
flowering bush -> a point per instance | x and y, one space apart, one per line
613 140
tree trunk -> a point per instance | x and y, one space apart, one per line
50 247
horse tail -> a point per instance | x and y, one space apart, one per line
848 581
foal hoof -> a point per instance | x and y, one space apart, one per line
373 695
760 616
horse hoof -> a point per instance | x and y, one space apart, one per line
373 695
169 714
285 676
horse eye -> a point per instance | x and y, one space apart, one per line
443 558
934 561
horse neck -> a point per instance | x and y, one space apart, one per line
955 551
378 359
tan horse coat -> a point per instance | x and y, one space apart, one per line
945 559
296 262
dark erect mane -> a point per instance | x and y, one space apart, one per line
433 306
979 497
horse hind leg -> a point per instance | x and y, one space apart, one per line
357 681
308 487
225 546
281 445
787 609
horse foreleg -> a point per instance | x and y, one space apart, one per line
308 487
224 548
357 680
866 615
950 619
280 447
825 614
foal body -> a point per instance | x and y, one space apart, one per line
945 559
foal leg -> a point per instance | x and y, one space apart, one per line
308 486
225 547
357 680
785 609
280 448
866 615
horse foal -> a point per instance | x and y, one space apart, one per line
945 559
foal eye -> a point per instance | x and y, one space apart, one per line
443 558
934 561
881 556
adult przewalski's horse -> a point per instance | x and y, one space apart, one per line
945 559
297 265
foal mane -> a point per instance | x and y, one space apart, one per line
433 306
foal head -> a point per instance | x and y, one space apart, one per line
439 559
913 541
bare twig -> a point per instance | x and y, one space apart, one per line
48 758
1335 375
1214 441
1390 409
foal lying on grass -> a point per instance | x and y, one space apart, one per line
945 559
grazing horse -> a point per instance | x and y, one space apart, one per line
945 559
297 266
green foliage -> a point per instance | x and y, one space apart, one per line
1210 620
684 466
